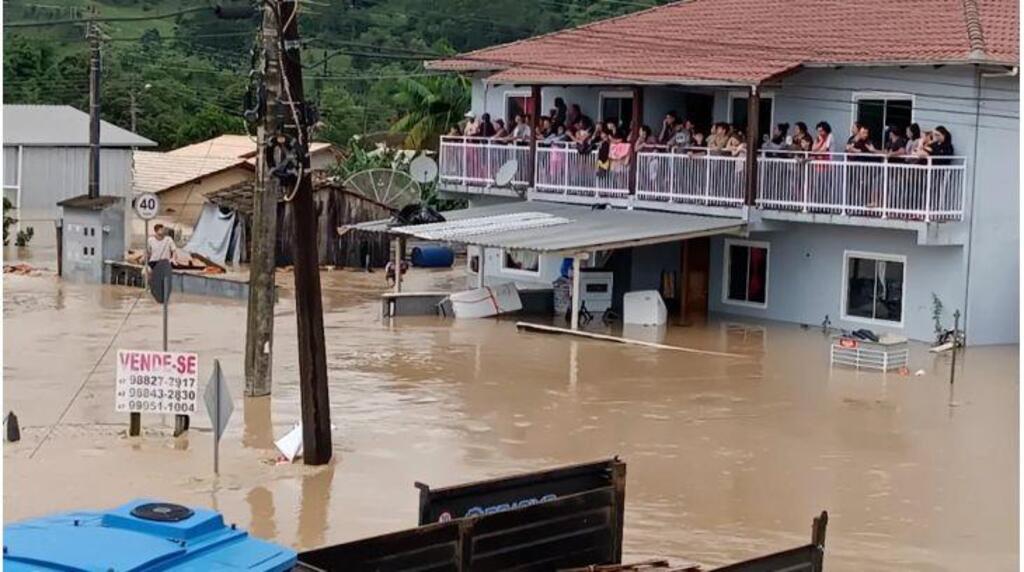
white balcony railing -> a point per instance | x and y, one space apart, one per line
564 170
691 177
927 189
930 189
475 161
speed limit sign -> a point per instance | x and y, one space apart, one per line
147 205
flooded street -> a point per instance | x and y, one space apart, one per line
727 458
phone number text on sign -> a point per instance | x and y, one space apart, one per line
157 382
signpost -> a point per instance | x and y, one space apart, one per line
147 205
156 382
220 407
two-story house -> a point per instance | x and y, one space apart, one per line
867 239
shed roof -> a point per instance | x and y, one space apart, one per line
751 41
156 172
559 228
61 126
238 146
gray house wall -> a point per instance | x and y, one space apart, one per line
805 276
981 276
52 174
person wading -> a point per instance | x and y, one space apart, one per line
160 246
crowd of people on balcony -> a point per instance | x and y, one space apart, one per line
568 126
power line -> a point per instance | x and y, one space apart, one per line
105 19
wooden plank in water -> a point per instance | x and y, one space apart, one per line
541 328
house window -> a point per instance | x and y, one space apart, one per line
746 273
617 106
738 113
873 287
12 173
516 104
520 261
880 112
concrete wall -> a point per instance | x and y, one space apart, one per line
805 276
52 174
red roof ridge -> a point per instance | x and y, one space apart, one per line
975 34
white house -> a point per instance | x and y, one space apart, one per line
866 241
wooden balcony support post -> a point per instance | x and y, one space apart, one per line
534 128
634 134
753 140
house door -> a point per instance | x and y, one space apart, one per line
696 268
700 110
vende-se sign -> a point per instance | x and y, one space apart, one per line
157 382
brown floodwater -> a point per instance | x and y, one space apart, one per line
727 458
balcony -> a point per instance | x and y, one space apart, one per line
791 185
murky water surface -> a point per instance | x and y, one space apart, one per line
727 458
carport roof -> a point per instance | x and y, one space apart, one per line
559 228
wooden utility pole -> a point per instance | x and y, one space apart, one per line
259 331
94 110
316 412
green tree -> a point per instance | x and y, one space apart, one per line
428 107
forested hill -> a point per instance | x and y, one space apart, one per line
189 71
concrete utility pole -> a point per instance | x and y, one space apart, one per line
94 110
316 412
259 331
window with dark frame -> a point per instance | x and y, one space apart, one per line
747 280
618 109
881 114
516 105
874 288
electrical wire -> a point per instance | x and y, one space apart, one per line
105 19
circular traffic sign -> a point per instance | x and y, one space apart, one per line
147 205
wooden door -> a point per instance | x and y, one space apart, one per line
696 267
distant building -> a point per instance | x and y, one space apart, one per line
46 160
861 239
185 177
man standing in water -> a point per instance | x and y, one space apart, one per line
160 246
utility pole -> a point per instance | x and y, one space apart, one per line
94 110
316 412
259 331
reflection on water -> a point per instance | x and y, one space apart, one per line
727 457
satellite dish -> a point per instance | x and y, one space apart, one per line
390 187
423 169
506 173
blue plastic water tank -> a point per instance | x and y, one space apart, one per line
433 256
141 535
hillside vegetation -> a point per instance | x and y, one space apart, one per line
189 72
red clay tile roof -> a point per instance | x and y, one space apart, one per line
749 41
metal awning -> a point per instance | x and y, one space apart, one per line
559 228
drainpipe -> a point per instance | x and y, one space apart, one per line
974 188
753 138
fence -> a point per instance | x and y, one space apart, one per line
908 188
927 189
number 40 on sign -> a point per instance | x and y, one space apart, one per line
156 382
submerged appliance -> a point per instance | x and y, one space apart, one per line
140 535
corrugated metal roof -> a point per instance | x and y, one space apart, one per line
61 126
553 227
156 172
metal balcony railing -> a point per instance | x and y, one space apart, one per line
910 188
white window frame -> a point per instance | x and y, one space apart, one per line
729 242
17 186
740 94
609 94
884 96
520 271
845 286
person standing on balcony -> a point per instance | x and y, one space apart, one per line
861 143
472 127
486 128
895 144
574 115
719 138
802 140
668 128
941 145
913 145
500 131
778 140
645 140
823 143
560 111
522 132
854 132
